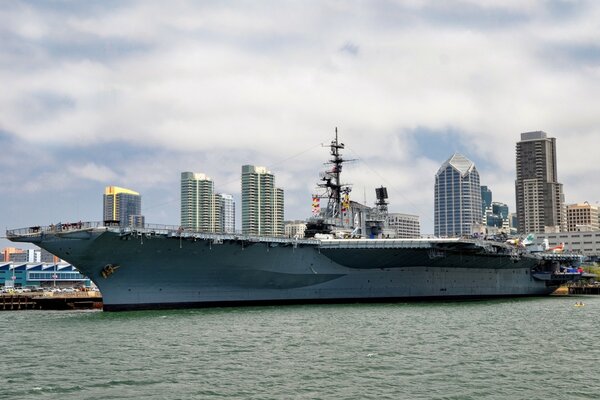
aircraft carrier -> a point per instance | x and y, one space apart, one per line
347 257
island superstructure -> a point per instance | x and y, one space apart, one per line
346 257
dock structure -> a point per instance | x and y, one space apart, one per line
587 289
16 302
33 301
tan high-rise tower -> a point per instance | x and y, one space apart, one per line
540 198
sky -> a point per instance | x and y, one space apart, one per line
132 93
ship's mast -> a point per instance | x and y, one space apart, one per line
332 183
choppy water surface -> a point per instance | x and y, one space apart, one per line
542 348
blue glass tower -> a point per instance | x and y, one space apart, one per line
457 198
486 199
500 209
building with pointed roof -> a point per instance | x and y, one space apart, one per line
457 198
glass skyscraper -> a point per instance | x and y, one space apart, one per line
457 198
486 198
122 206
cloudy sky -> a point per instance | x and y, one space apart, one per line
132 93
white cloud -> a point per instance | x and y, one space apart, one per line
217 86
94 172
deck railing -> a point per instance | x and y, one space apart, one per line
150 229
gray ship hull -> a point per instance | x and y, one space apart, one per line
136 270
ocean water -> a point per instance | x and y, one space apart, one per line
540 348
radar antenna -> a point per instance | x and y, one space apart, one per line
382 195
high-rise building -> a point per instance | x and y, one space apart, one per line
457 198
200 209
513 222
500 209
278 215
540 199
406 226
497 216
582 217
226 213
122 206
486 199
262 202
294 229
11 254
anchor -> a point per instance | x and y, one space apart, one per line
108 270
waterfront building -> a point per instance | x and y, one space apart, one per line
582 217
262 202
500 209
405 226
486 199
584 242
200 206
9 252
494 220
457 198
28 255
226 213
12 254
539 196
18 274
513 222
294 229
497 215
122 206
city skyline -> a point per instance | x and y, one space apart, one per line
91 100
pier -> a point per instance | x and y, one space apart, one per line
35 301
587 289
